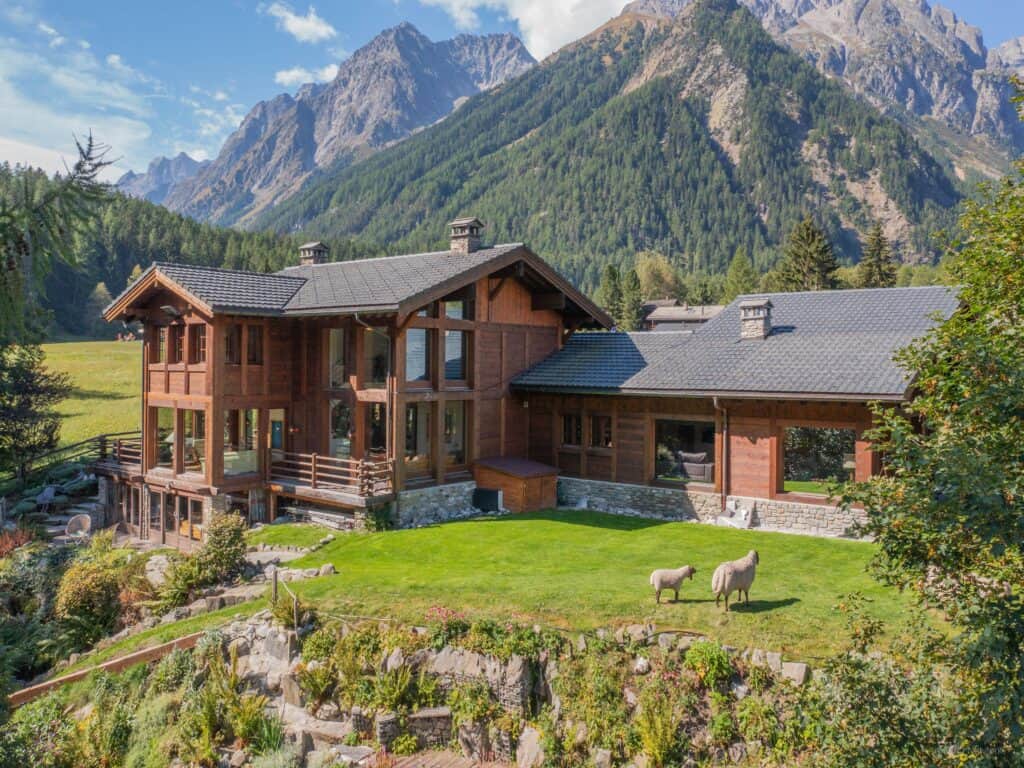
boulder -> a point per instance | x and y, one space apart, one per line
474 740
795 671
529 752
281 645
327 569
290 690
238 758
156 569
667 641
641 666
601 758
774 661
395 660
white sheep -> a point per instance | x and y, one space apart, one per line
670 578
734 576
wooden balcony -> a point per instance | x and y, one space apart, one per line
313 476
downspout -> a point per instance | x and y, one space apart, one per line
725 449
387 403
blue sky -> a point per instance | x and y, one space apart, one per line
158 77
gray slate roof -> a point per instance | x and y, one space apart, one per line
380 283
228 290
827 343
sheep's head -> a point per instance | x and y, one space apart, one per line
688 571
752 554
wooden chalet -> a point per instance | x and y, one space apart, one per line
352 386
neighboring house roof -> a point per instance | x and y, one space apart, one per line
391 284
834 344
684 314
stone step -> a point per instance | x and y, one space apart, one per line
442 760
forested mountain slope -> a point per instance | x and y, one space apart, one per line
692 136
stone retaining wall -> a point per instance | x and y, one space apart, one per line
639 500
436 504
796 517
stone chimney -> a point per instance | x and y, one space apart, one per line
312 253
755 318
465 235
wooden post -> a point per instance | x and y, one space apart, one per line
273 588
295 612
313 475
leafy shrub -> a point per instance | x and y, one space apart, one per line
183 578
721 726
317 679
88 594
172 671
223 552
248 720
428 690
11 540
405 744
319 645
284 757
41 733
152 740
446 626
286 609
760 678
710 662
394 690
590 688
657 726
505 640
757 720
471 703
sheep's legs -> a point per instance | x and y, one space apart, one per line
657 596
677 596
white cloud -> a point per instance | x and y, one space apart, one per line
220 96
46 29
293 76
310 28
546 25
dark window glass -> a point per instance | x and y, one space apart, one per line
195 441
341 430
161 345
376 428
455 357
336 358
233 344
684 450
816 457
600 431
198 342
418 459
455 433
165 437
376 352
177 345
255 345
417 354
572 429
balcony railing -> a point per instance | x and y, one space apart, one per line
318 472
122 450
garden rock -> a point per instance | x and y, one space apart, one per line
795 671
290 690
156 569
238 758
739 690
738 752
641 666
474 740
667 641
601 758
239 647
394 661
529 753
774 661
281 645
327 569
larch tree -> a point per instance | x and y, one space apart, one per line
658 278
809 262
877 268
741 278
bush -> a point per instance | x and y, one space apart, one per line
471 703
657 726
284 757
320 644
721 727
405 744
394 690
172 671
11 540
757 720
760 678
317 680
223 552
40 734
152 739
88 594
446 626
710 662
182 580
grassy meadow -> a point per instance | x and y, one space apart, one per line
106 386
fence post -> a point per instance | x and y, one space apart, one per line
313 476
103 447
273 588
295 612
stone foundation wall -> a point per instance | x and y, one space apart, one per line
436 504
432 727
639 500
794 517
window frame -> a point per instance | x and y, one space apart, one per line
342 382
601 423
197 344
254 349
160 349
577 417
467 346
426 380
233 344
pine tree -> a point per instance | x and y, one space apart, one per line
809 263
136 273
632 303
741 277
877 268
609 294
29 425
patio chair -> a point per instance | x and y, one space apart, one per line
78 527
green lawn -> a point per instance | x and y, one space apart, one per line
582 570
292 535
107 389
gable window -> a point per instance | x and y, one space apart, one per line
197 344
161 345
600 431
177 343
233 344
460 306
456 345
336 358
254 345
572 430
816 457
417 355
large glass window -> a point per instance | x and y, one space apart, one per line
815 457
417 355
177 343
195 441
240 441
254 345
600 431
572 429
341 430
233 344
376 352
165 437
336 358
455 434
684 451
455 355
418 460
460 306
161 345
376 428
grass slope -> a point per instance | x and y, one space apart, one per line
106 394
582 570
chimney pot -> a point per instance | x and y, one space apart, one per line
465 235
312 253
755 318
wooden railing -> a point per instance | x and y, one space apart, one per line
314 470
122 448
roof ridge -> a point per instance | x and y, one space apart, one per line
833 291
158 264
393 256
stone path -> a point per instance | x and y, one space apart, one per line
262 557
442 760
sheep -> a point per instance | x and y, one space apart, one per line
668 578
734 576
